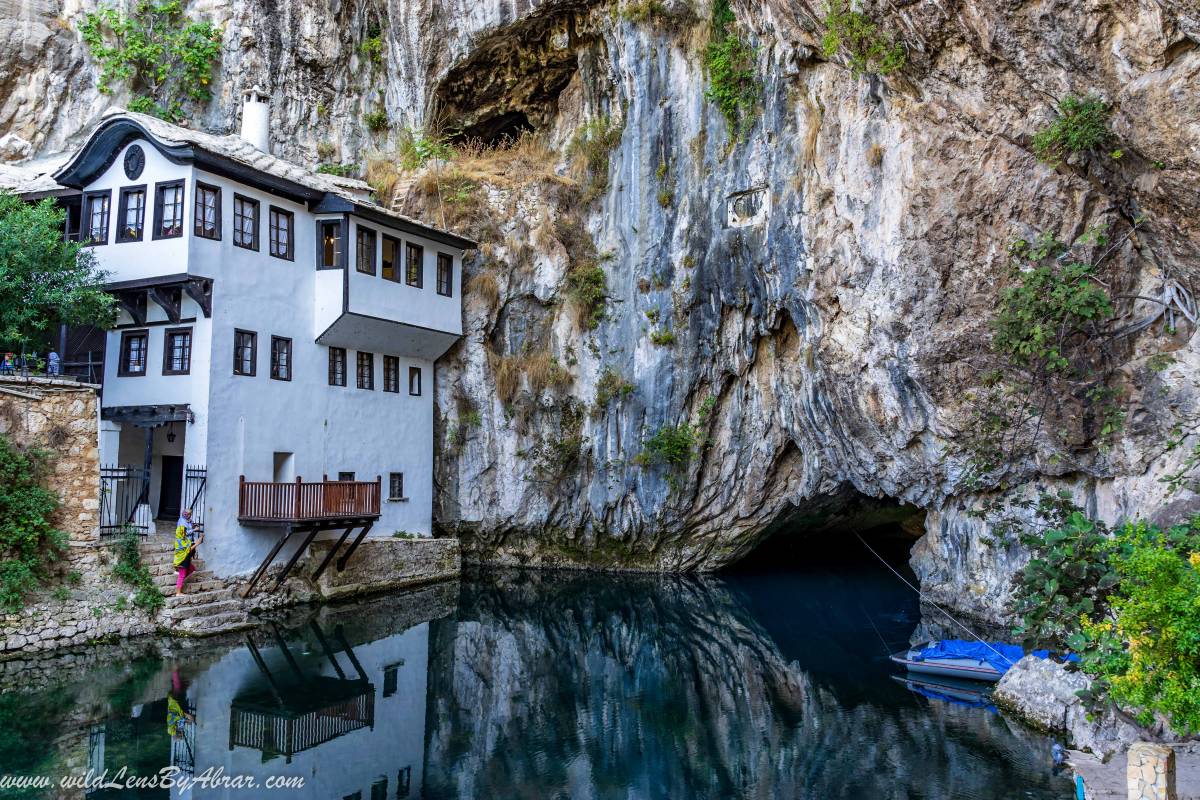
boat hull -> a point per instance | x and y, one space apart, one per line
969 669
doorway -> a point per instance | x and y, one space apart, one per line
170 487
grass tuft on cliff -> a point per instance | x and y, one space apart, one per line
733 82
867 49
1081 126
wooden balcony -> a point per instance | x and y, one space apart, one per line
297 503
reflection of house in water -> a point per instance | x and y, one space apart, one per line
348 719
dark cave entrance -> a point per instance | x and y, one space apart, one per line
497 131
829 538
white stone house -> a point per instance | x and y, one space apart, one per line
272 365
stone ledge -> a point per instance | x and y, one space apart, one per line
384 564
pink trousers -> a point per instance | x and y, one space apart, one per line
182 573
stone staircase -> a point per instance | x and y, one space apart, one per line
207 606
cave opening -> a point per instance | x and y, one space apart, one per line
830 538
495 132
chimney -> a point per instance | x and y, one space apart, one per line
256 118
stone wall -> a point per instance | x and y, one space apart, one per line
387 564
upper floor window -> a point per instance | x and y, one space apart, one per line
245 352
445 274
133 353
177 351
337 366
168 210
346 476
207 214
391 374
414 380
414 265
396 486
329 243
245 222
364 260
281 358
131 214
366 370
390 265
280 224
96 217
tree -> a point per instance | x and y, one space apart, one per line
44 279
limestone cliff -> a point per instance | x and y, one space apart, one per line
815 295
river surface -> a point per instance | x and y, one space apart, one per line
766 684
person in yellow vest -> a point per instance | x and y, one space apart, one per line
185 548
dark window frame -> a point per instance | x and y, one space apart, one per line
339 243
362 232
340 353
273 213
237 229
277 374
369 383
123 370
397 259
166 366
414 371
445 260
122 213
253 352
391 374
392 480
89 199
198 217
345 477
416 279
159 189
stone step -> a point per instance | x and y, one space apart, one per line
218 623
211 609
163 570
199 597
191 587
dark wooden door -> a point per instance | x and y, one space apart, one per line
170 487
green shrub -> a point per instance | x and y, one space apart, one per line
377 120
341 170
417 148
587 286
594 142
160 55
673 445
663 337
733 82
29 542
131 570
1144 651
1081 125
611 385
371 46
857 36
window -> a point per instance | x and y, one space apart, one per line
245 352
366 370
391 374
355 796
414 380
280 225
403 782
245 222
177 351
346 476
97 217
131 214
379 789
133 353
391 259
168 210
445 274
329 246
281 358
396 486
414 265
207 214
365 249
337 366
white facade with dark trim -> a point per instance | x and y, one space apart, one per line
265 318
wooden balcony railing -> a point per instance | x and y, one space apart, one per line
263 501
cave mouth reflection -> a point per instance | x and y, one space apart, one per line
549 685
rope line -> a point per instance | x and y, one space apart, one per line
930 602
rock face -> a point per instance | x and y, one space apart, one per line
827 280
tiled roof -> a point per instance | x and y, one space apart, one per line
31 177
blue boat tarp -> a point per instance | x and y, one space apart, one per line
997 655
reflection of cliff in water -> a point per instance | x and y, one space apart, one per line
578 686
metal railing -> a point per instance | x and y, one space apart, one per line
297 501
195 481
277 731
123 490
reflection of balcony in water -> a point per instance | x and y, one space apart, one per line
297 709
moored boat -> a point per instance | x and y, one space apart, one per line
955 658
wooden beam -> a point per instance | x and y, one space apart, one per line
167 300
341 564
133 304
200 290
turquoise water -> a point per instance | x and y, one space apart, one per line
533 685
